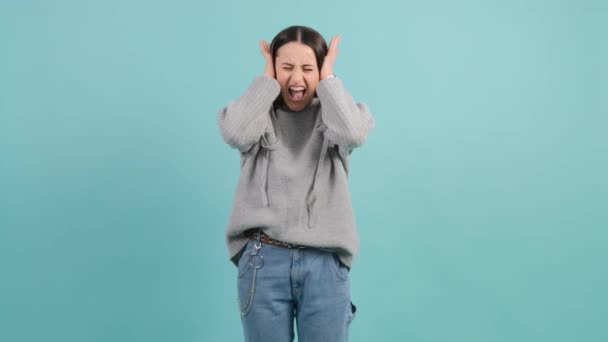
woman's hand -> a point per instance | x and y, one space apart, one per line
269 67
328 63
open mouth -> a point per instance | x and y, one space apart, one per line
296 93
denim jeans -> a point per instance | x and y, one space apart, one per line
278 285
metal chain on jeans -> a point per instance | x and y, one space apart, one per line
256 261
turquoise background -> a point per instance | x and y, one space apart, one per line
481 197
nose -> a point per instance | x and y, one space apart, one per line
297 76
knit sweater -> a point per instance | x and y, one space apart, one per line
294 166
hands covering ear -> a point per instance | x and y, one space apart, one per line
332 52
269 67
328 63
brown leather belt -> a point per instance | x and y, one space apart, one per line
252 234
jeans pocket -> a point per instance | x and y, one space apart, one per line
338 266
243 265
353 311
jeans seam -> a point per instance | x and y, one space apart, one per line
245 308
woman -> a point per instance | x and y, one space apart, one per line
292 232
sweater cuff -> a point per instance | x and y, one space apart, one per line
329 83
265 85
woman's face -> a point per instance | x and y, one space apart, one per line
297 73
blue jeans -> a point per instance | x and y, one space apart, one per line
277 285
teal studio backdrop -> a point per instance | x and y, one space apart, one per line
480 197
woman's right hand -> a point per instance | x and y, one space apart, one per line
269 67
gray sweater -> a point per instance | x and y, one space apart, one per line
294 166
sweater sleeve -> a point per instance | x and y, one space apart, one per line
348 123
246 119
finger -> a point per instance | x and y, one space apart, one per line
264 47
333 47
333 44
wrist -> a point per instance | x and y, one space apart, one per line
269 71
330 75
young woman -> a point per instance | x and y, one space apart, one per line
292 232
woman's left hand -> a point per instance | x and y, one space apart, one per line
328 64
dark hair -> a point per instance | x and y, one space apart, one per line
304 35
